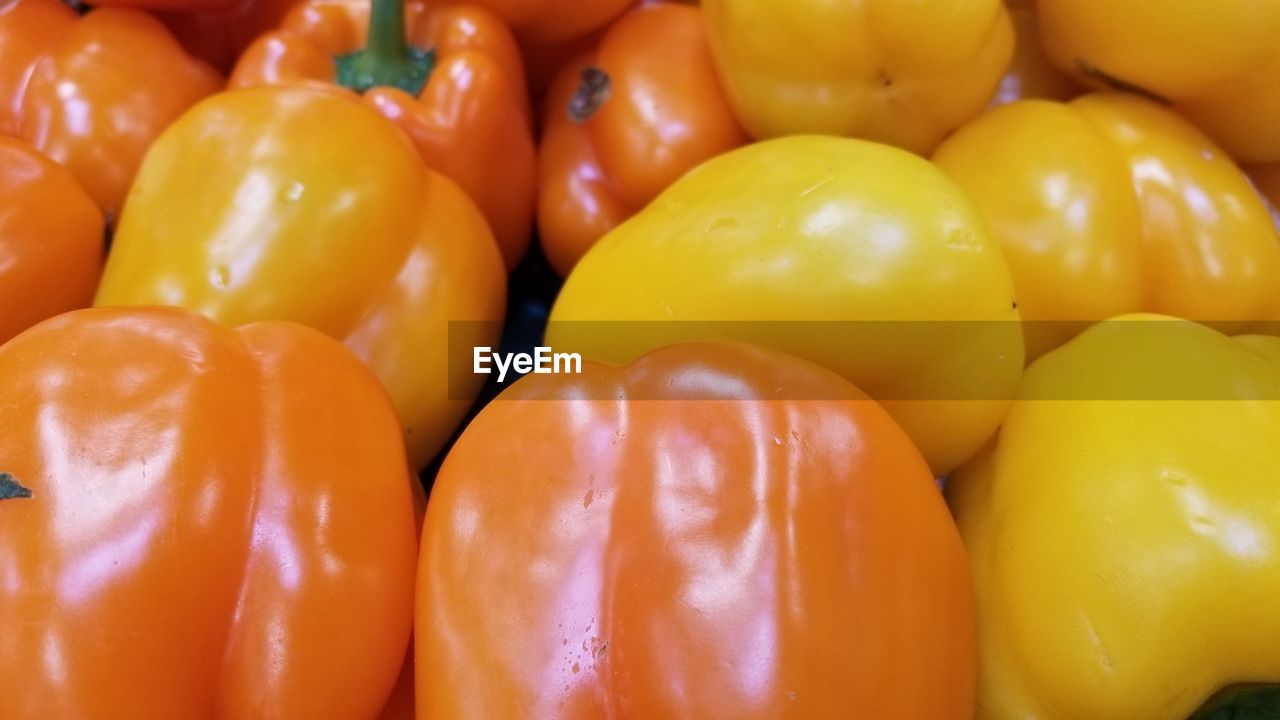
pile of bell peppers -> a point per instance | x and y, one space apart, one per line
921 359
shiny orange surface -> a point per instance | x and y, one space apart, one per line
690 549
221 523
653 126
250 209
51 239
548 22
93 93
471 120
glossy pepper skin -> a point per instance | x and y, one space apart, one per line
238 216
612 142
93 92
552 22
1217 62
679 538
900 73
1124 533
1031 74
51 239
470 121
859 256
1112 204
218 523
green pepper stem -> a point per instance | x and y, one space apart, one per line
387 60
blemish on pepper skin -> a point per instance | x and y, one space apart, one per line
594 88
886 80
11 489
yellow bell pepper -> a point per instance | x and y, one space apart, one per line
1217 61
904 73
1112 204
303 204
912 298
1124 533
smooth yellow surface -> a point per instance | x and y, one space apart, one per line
905 73
1126 548
304 204
1057 196
1111 204
811 228
1218 61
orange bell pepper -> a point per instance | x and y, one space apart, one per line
93 92
552 22
198 522
620 126
713 531
456 88
50 239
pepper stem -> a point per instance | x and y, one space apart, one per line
387 60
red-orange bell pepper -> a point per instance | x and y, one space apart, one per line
219 37
180 6
454 84
92 93
50 239
621 125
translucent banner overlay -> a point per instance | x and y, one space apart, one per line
1128 359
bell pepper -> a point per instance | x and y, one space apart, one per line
219 37
1124 532
1217 62
1031 74
543 23
248 209
51 239
1112 204
859 256
456 87
713 531
176 6
620 126
904 73
198 522
93 92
